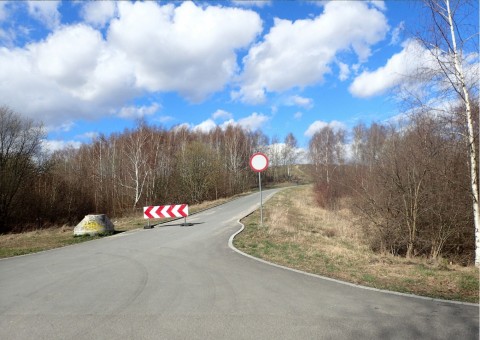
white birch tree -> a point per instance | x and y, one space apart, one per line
452 44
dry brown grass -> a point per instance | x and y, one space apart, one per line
44 239
37 240
299 234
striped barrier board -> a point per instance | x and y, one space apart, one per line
164 211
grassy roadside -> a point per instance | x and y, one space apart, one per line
300 235
45 239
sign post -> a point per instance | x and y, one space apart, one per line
259 163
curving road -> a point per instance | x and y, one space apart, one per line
175 282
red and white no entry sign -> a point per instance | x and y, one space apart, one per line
258 162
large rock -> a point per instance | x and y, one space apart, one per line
94 225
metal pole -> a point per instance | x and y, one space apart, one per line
261 199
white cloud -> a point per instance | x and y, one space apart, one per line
318 125
205 126
77 72
396 33
274 150
400 66
63 127
46 12
380 4
98 13
72 73
88 135
299 101
187 49
222 115
298 54
298 115
180 127
254 121
50 146
68 57
344 71
252 3
138 111
165 119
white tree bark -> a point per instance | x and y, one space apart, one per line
442 8
472 147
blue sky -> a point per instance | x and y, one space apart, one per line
85 68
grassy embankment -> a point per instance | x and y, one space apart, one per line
298 234
44 239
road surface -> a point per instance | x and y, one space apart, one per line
175 282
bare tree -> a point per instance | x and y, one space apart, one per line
20 142
451 42
290 154
327 151
137 170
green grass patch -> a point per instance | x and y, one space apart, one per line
469 282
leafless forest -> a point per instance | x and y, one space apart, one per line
412 181
407 181
121 173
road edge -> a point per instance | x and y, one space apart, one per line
231 246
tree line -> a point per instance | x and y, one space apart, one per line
121 173
407 182
416 183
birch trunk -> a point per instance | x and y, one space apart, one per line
472 147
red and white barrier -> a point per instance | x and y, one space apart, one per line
163 211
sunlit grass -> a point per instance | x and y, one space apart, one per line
298 234
45 239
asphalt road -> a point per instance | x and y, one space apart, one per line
175 282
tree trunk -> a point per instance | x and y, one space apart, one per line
472 147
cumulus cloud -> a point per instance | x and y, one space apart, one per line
252 3
418 71
222 115
187 49
50 146
400 66
318 125
299 53
80 73
46 12
72 73
138 111
380 4
344 71
88 135
98 13
63 127
299 101
165 119
254 121
205 126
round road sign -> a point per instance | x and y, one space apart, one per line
258 162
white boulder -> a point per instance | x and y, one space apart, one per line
94 225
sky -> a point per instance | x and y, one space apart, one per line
89 68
